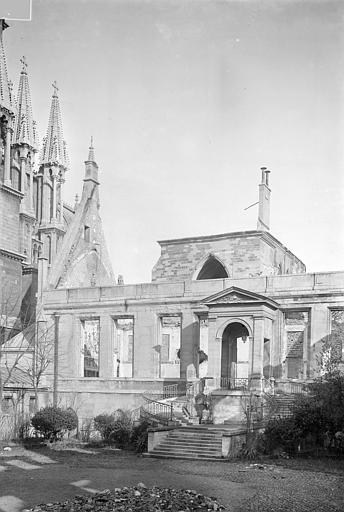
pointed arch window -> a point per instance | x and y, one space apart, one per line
212 269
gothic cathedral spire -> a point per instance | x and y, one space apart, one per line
53 165
54 150
6 100
25 126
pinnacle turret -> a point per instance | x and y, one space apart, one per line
91 167
25 128
54 150
5 87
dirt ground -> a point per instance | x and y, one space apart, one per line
29 477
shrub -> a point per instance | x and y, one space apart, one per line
104 424
115 428
54 422
282 434
139 437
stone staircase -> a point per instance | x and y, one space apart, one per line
190 443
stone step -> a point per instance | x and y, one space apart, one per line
193 442
192 430
195 435
198 442
187 450
214 453
194 438
158 455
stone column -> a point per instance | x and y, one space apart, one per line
214 352
23 175
61 200
54 178
188 346
42 277
31 188
7 173
257 352
106 369
44 200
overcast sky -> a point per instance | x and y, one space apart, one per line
186 100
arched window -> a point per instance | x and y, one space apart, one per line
212 269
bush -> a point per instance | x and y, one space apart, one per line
115 428
104 424
139 438
54 422
282 434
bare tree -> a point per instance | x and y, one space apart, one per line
26 343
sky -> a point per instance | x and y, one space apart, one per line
185 101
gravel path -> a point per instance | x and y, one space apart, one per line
284 486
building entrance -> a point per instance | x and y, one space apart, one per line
235 355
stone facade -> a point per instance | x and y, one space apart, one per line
276 311
242 254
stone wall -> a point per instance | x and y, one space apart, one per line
242 254
9 221
146 303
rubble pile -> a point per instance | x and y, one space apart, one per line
136 499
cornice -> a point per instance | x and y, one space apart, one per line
12 191
27 270
12 255
28 215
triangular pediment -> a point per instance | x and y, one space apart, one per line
234 295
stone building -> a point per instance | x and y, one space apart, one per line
236 310
44 242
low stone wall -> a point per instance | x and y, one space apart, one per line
227 406
156 436
233 442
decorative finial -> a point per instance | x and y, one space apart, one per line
91 157
54 84
24 64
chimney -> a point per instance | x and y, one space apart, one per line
263 223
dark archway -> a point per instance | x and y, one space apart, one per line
235 354
212 269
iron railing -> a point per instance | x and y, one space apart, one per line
174 390
162 412
229 383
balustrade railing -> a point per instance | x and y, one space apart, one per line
229 383
294 388
163 412
174 390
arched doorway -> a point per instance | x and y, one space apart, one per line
235 355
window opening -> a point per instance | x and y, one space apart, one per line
212 269
87 233
124 347
170 337
90 338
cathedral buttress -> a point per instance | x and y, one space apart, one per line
24 152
